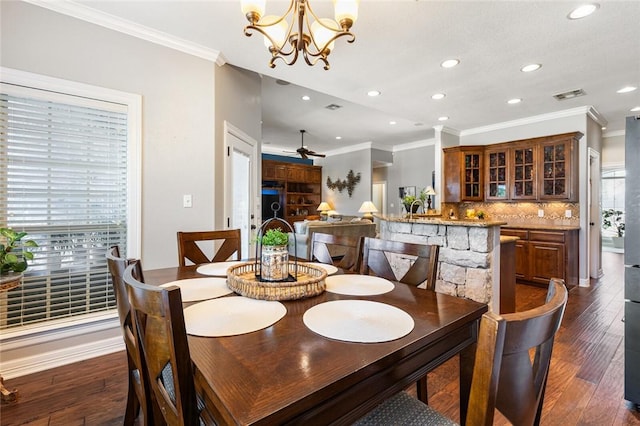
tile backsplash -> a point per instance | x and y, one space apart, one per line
521 213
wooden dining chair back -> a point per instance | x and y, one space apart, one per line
227 242
160 329
505 377
377 256
341 251
137 396
516 385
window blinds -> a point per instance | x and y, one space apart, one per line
63 179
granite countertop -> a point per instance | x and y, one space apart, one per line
433 220
536 227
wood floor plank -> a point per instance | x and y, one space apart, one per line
568 409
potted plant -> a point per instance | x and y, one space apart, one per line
14 256
614 219
274 257
408 201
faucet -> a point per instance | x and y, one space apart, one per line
411 207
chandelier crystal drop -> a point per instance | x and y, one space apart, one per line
299 31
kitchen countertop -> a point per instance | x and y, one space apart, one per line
542 227
432 220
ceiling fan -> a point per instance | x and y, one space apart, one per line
304 152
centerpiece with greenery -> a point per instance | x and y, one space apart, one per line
408 201
14 256
274 257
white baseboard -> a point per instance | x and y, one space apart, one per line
30 351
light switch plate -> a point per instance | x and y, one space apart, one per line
187 202
540 213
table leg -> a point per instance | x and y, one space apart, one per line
467 359
8 396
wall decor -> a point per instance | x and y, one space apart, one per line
349 183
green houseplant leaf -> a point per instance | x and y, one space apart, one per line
275 237
14 253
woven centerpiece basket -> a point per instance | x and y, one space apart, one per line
311 282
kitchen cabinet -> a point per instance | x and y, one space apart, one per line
542 169
300 185
463 174
542 254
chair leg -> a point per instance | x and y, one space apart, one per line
421 386
133 406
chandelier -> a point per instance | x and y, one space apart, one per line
286 39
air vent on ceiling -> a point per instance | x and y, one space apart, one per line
333 107
570 94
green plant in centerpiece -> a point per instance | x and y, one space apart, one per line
275 237
13 253
612 218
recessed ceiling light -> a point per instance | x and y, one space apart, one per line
582 11
392 122
514 101
530 67
450 63
305 98
373 93
443 118
438 96
635 109
627 89
338 137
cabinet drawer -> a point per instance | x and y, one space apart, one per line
520 233
552 237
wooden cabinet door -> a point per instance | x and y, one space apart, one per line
496 174
313 175
472 175
557 169
546 261
295 174
522 260
523 172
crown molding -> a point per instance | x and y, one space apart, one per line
348 149
444 129
414 145
584 110
88 14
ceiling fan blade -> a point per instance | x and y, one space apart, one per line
315 154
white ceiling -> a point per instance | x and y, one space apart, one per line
398 50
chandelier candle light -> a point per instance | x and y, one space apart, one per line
285 40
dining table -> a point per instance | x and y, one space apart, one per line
288 374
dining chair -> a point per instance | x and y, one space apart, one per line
137 396
188 248
160 330
324 248
423 259
504 376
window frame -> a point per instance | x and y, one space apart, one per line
133 102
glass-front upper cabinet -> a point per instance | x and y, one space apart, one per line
523 176
463 174
472 178
557 171
497 174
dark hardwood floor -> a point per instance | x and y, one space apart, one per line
585 384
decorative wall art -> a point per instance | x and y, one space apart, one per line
349 183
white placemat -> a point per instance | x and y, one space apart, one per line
229 316
329 268
358 285
195 289
362 321
217 269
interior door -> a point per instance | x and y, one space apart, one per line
241 185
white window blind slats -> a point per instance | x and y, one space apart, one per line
63 179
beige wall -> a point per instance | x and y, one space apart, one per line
182 111
613 151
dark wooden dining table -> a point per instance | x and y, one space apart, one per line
287 374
